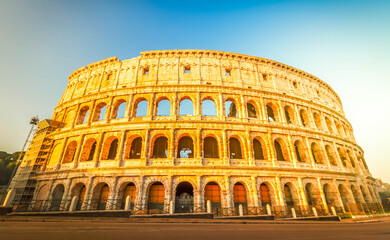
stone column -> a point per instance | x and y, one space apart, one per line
48 195
282 113
298 115
77 116
198 142
324 154
263 112
301 191
113 195
146 146
224 144
228 195
66 197
78 152
121 148
174 111
151 103
221 108
198 197
271 149
255 193
91 113
322 195
129 108
244 113
58 165
99 149
292 151
171 150
279 191
338 158
198 106
249 150
107 117
86 205
313 163
338 195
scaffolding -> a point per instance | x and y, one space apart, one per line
34 162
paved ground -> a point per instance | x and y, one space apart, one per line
77 229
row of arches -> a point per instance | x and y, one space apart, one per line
237 149
186 195
208 107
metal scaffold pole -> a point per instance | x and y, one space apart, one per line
34 121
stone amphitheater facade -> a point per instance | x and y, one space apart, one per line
278 136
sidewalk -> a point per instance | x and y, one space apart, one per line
181 220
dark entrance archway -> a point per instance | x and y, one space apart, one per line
184 202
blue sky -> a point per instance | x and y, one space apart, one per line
345 43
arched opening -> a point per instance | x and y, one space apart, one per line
128 191
208 108
317 120
56 197
251 110
160 147
141 108
270 113
231 109
185 148
210 147
350 158
309 190
329 195
258 150
103 197
235 148
365 196
299 151
40 198
184 201
156 198
289 113
328 124
83 115
70 152
164 108
186 108
119 109
239 195
279 151
79 191
342 157
355 194
100 112
330 154
212 192
88 150
288 195
339 129
265 195
304 118
316 152
344 196
110 148
135 149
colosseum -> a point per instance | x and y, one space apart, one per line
187 131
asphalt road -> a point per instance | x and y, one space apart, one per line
156 231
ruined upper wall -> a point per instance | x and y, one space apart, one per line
167 67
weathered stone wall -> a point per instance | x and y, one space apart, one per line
308 118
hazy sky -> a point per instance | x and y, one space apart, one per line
345 43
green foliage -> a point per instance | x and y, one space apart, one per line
7 166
